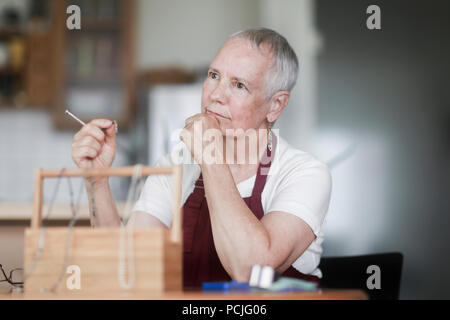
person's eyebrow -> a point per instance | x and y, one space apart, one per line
213 70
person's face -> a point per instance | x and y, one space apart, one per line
234 89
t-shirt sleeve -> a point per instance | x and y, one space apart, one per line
156 197
305 192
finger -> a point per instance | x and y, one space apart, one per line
86 152
186 135
110 135
210 118
188 125
88 141
101 123
193 118
90 130
183 133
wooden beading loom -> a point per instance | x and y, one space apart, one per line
157 253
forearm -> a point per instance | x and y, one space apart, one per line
101 201
241 240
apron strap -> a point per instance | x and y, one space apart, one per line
263 169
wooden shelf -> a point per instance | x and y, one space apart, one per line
99 25
100 55
13 71
11 32
10 71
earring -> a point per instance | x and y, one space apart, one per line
269 145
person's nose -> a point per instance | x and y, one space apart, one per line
218 94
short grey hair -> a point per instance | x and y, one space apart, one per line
283 75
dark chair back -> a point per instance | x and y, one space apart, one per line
352 272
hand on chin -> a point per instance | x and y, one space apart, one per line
203 137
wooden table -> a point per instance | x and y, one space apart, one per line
326 294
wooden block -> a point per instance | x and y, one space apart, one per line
157 260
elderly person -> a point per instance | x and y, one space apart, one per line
235 213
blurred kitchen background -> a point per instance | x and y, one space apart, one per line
372 104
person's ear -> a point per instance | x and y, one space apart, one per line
277 103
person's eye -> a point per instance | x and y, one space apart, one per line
240 85
213 75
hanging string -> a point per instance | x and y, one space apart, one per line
91 191
126 229
42 236
74 210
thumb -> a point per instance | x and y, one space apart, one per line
110 135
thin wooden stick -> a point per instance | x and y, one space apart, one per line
105 172
175 231
37 200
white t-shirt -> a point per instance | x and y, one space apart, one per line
297 183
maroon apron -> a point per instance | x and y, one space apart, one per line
200 260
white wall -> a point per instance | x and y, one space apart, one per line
188 32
